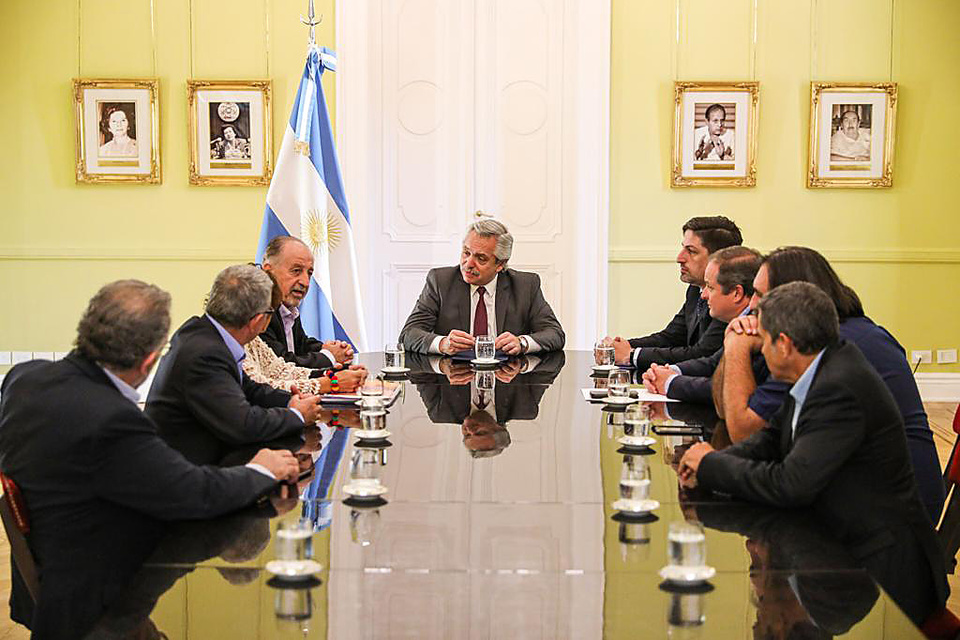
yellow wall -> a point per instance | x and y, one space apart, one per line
60 241
897 247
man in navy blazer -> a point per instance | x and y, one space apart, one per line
482 297
692 333
201 399
836 444
96 478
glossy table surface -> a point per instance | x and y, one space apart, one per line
523 543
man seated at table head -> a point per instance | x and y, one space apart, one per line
746 407
483 296
692 333
837 444
728 287
201 399
290 262
94 475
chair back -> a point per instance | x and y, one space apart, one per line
16 523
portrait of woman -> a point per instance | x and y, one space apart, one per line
118 129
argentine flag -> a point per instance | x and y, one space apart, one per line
306 200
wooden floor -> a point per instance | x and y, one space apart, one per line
941 421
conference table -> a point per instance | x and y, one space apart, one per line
522 542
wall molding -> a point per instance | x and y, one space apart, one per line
939 387
850 256
120 254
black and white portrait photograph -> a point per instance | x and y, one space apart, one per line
229 132
715 134
852 128
118 130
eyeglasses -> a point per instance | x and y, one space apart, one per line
268 311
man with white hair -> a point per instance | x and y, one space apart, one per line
482 297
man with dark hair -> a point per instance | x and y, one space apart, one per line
747 408
729 288
836 444
201 399
290 262
94 475
692 333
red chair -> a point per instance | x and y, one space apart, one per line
942 625
16 523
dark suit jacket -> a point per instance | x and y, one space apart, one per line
691 334
849 460
96 479
444 305
202 405
306 350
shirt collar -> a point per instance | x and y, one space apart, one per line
128 392
235 348
286 312
490 287
745 312
802 386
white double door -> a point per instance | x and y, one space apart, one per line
450 107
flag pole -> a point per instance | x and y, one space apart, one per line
311 21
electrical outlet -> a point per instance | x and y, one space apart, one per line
946 356
923 357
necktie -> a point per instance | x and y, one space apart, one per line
480 315
482 400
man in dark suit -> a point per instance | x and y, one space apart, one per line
290 262
95 476
837 444
728 287
482 297
692 333
201 399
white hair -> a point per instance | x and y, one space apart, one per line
490 228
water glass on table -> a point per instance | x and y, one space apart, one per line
394 358
634 479
365 468
485 349
636 420
603 353
619 383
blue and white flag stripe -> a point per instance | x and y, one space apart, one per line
306 200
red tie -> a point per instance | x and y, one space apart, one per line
480 316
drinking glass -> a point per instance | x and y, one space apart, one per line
394 357
686 610
619 383
634 479
364 526
603 353
636 421
293 605
485 350
686 544
294 540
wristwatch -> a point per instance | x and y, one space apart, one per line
524 344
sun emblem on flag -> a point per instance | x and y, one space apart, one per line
322 230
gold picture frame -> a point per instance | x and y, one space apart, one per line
715 134
845 122
229 130
117 130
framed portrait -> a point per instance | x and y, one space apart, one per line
715 134
118 130
851 134
230 132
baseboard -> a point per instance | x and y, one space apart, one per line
939 387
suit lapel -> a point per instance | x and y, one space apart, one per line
503 294
463 305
